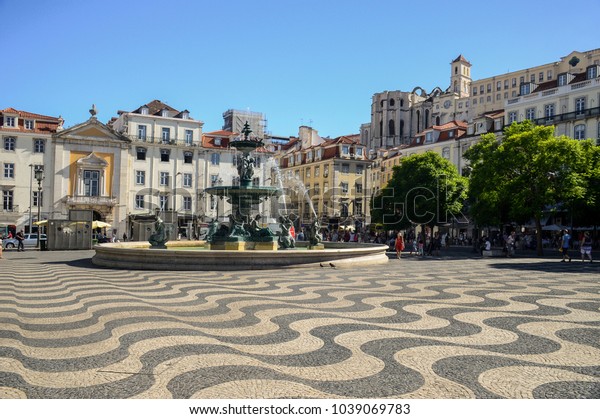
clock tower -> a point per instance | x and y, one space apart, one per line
460 78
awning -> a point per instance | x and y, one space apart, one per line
41 223
99 224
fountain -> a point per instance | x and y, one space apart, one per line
242 243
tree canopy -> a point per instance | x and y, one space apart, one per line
528 173
424 189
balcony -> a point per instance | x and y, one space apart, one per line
567 116
163 141
106 201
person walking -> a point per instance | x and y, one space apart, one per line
399 245
20 237
586 247
565 242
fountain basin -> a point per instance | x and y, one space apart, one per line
138 255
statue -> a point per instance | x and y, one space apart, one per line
213 227
286 241
314 234
258 233
237 226
159 237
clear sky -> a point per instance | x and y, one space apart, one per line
304 62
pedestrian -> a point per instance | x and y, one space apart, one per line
124 237
399 245
20 237
565 242
586 247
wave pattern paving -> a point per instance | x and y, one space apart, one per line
465 328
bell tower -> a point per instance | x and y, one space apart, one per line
460 77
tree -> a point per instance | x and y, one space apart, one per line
527 172
424 189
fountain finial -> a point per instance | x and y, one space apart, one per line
246 131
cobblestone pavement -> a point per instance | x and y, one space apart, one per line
447 327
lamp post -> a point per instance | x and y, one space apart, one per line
175 202
39 176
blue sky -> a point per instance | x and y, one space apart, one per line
308 62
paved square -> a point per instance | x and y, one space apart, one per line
449 327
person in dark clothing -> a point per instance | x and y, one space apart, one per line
20 237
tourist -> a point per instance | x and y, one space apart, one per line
399 245
565 241
586 247
20 237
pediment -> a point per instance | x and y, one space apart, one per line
92 129
92 160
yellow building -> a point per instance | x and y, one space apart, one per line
326 179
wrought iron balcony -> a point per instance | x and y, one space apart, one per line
107 201
161 140
567 116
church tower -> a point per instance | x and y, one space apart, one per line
460 78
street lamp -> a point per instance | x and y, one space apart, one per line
175 201
39 176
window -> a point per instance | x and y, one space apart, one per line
344 186
140 177
9 121
475 91
592 72
489 98
579 133
139 202
91 182
514 82
579 105
498 96
163 201
549 111
358 187
187 157
506 84
141 153
532 78
530 114
512 117
142 132
549 75
166 135
10 143
215 159
164 154
345 149
359 169
39 146
498 85
428 137
562 79
7 200
525 89
214 180
29 124
144 110
309 156
446 153
317 171
541 77
217 141
345 168
489 87
187 203
164 178
9 170
164 113
187 180
308 172
359 151
481 89
185 115
189 137
38 199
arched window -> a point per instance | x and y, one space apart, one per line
455 70
579 133
426 118
391 127
381 128
401 103
401 128
437 120
418 121
392 102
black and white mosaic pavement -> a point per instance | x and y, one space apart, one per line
448 327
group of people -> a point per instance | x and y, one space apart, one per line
585 246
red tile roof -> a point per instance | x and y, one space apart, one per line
43 124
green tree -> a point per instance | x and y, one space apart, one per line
424 189
527 172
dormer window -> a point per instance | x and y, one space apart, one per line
345 149
29 124
291 160
144 110
319 154
218 141
164 113
592 72
310 156
359 151
563 79
428 137
10 121
185 115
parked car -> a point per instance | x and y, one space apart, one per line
29 241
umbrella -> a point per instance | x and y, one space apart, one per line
100 224
41 223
